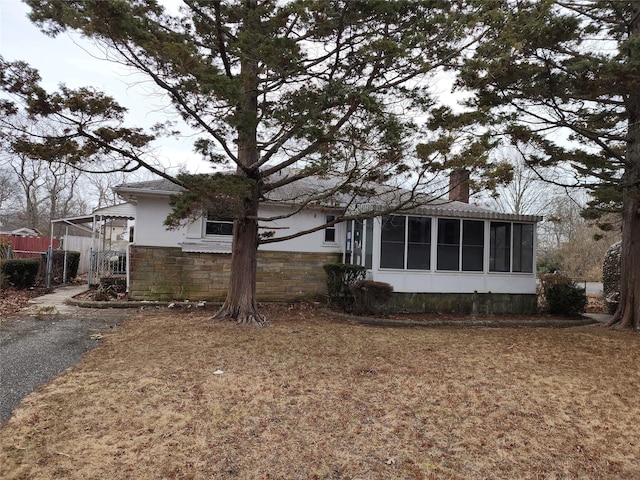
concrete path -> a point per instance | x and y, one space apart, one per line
54 302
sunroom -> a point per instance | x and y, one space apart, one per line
445 256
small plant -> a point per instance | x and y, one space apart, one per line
41 312
369 295
110 287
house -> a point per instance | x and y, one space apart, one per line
447 255
22 232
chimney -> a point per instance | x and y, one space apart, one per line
459 186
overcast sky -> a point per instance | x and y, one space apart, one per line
67 59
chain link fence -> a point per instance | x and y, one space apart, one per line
106 264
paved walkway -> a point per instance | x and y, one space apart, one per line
55 302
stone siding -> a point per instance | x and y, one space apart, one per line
162 273
464 303
167 274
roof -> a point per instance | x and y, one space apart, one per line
303 188
122 211
22 232
150 187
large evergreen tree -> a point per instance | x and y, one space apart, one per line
303 87
564 77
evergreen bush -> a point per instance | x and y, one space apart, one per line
566 299
21 273
340 276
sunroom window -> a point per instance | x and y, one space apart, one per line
511 248
523 247
392 242
472 245
500 247
448 244
419 245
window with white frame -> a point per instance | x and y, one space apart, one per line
405 243
330 231
218 226
500 247
523 247
419 243
448 257
511 247
472 246
392 242
405 238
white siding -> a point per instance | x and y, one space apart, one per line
149 224
150 230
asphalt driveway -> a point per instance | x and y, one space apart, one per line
34 349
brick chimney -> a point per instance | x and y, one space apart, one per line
459 186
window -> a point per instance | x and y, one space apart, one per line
523 247
218 226
500 247
392 242
419 244
448 244
330 232
507 258
472 245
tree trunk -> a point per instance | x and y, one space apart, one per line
240 304
628 313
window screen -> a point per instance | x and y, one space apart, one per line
500 247
419 245
392 242
448 244
472 245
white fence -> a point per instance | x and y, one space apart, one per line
79 244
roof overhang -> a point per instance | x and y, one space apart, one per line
123 211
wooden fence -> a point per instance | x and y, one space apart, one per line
28 247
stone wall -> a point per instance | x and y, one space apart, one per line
162 273
465 303
168 274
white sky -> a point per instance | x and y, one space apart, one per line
67 59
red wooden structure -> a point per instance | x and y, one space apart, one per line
28 247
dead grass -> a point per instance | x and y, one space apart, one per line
313 397
12 300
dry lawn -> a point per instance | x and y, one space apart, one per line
314 397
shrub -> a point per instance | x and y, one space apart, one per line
21 273
368 295
73 262
566 299
110 287
546 281
340 276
